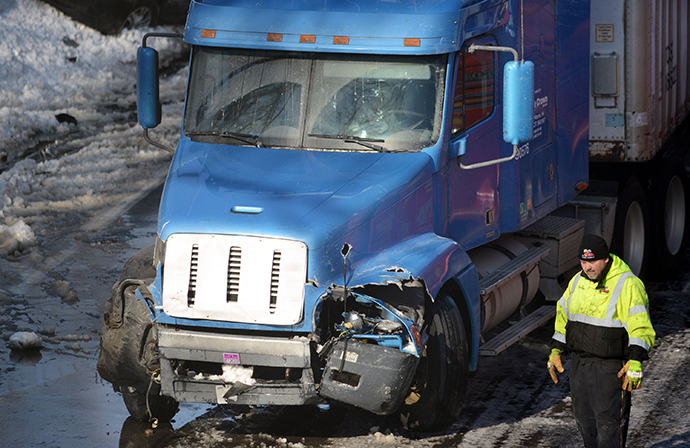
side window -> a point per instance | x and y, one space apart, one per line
474 90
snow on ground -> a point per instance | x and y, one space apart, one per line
69 142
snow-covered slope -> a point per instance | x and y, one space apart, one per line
69 142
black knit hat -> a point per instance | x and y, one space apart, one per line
593 247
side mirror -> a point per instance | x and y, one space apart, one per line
518 105
518 102
148 99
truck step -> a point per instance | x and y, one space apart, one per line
523 262
562 235
517 331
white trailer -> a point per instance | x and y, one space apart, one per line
639 101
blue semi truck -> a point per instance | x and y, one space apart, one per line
362 192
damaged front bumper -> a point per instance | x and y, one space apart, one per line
192 368
369 366
372 361
372 377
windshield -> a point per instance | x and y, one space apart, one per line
315 101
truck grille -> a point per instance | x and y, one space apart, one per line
234 267
193 269
234 278
275 278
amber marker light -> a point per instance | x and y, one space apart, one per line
273 37
307 39
341 40
210 34
416 336
409 42
581 186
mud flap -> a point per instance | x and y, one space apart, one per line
369 376
128 349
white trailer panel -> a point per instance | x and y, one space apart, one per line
639 71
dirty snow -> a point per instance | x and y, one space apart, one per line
71 154
25 340
69 142
72 161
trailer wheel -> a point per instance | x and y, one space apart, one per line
669 205
630 232
439 386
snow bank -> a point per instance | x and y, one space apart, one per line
68 90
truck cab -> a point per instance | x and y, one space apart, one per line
342 213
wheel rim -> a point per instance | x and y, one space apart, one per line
139 18
633 240
674 215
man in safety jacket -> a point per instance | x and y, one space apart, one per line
603 318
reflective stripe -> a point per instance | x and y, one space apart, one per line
639 342
563 303
639 309
608 322
559 337
596 321
616 294
572 290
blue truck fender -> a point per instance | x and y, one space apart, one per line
437 261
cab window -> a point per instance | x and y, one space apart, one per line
474 90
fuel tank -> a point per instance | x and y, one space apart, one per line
499 304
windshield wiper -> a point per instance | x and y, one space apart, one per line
366 142
250 139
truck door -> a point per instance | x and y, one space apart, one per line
526 186
473 194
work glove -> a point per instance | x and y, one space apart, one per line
555 364
633 375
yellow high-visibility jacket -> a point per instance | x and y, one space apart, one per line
605 319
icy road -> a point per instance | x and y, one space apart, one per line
79 194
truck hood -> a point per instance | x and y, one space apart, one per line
309 196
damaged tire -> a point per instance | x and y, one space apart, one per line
129 357
439 387
159 406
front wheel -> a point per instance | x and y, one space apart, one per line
159 406
439 386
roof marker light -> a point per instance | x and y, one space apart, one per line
410 42
273 37
307 39
341 40
208 33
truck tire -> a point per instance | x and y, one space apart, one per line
631 226
669 205
140 266
128 350
439 386
159 406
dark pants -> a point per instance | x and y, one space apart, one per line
601 407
